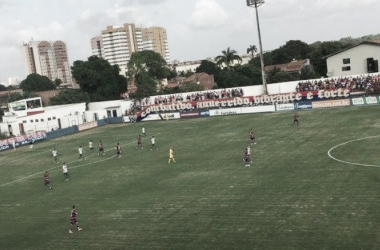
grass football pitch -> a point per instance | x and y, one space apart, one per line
293 196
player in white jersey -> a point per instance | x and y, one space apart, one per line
80 151
65 171
91 146
14 144
54 153
143 131
153 143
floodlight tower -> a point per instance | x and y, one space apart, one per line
255 4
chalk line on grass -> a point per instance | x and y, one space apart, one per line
54 168
347 162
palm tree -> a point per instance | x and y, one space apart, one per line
228 57
252 49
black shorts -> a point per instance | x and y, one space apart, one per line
73 221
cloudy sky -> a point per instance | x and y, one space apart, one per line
196 29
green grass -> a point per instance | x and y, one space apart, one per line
292 197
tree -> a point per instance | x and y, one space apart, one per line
208 67
293 49
57 82
36 82
147 69
277 75
252 49
2 87
68 96
101 80
228 57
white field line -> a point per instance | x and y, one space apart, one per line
347 162
54 168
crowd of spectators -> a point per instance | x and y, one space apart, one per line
199 96
370 84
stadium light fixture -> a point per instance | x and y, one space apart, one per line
255 4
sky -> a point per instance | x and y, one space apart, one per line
196 29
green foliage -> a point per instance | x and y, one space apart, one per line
147 68
208 67
68 96
57 82
227 58
35 82
15 97
2 87
252 49
186 73
294 49
172 74
99 79
276 75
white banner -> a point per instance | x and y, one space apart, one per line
165 116
258 109
217 112
287 106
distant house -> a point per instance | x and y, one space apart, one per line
293 68
205 80
357 59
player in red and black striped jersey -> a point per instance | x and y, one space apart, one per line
47 180
101 148
139 142
296 119
118 150
74 220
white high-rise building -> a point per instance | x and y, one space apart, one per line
117 43
49 59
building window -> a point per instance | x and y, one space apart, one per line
49 119
36 120
42 120
54 118
346 61
31 121
347 68
23 121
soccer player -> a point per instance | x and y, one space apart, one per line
247 159
73 221
65 171
91 147
248 150
153 143
101 148
54 153
118 150
296 119
80 151
143 131
252 137
31 144
171 155
139 142
14 144
47 180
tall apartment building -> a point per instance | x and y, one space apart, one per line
117 43
49 59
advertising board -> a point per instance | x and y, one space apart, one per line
284 107
331 103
